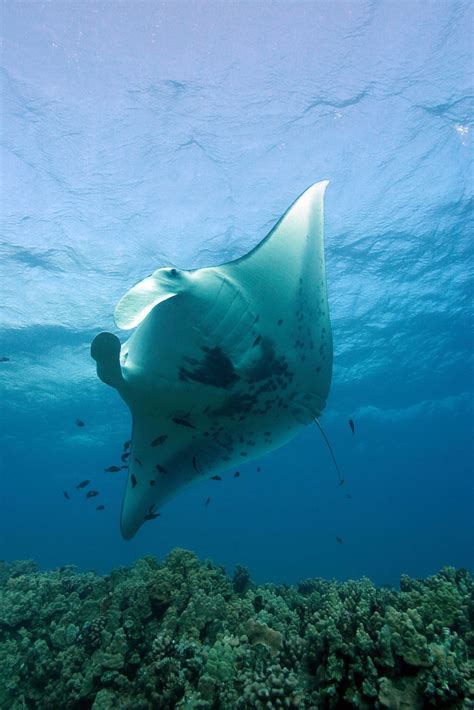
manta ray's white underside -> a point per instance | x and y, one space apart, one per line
226 363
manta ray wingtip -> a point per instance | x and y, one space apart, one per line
126 534
320 186
129 524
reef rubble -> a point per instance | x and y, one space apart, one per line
182 634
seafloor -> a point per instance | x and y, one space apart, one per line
181 634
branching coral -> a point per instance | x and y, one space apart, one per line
182 635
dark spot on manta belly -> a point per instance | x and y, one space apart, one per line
133 480
236 404
215 369
159 440
268 364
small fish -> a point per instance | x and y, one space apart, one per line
92 494
66 495
339 540
82 484
138 461
216 478
341 482
182 422
159 440
79 422
160 468
151 516
125 456
258 468
100 507
112 469
126 445
4 359
152 482
133 480
348 495
195 466
207 501
122 467
236 474
352 426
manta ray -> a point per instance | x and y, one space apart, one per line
225 364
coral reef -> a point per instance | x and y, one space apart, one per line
181 634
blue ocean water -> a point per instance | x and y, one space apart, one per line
137 135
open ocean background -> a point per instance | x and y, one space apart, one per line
143 134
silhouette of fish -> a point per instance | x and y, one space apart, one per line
216 478
352 426
159 440
82 484
66 495
4 359
339 540
182 422
100 507
112 469
79 422
92 494
151 515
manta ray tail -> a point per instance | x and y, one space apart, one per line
341 480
